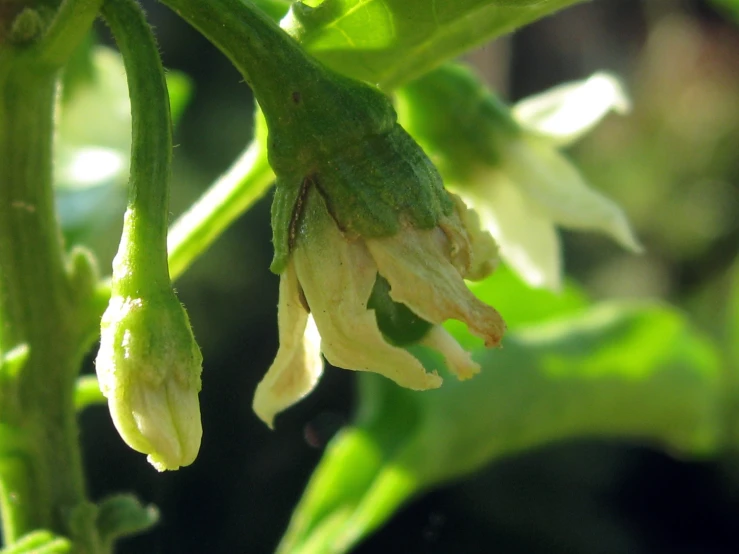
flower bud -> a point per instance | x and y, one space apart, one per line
149 368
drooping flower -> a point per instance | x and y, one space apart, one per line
506 164
374 257
371 250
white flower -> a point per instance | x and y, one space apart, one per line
325 291
505 164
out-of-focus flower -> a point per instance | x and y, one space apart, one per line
506 164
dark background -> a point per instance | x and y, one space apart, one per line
672 164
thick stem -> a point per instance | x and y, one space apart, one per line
253 43
42 481
229 197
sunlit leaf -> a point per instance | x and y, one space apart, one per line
389 42
519 304
634 371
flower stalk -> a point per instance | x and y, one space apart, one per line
148 365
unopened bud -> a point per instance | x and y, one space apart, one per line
149 368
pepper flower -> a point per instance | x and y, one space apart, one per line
506 164
372 254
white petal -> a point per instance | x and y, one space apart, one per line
417 265
298 364
551 183
457 359
527 239
337 276
568 111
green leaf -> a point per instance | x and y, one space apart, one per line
731 7
519 304
634 371
87 393
628 370
122 515
389 42
730 340
732 327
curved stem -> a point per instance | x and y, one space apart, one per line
141 262
265 55
230 196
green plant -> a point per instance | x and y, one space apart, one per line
371 248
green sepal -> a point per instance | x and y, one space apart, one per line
457 119
325 130
371 187
149 368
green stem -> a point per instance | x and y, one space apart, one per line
141 263
69 27
271 61
229 197
42 481
225 200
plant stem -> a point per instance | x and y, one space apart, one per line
42 477
141 262
251 40
230 196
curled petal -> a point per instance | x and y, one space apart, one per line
551 183
337 276
457 359
298 364
416 264
528 239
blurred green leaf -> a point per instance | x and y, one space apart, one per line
123 515
179 87
39 542
617 370
519 304
389 42
87 393
731 348
731 6
276 9
732 327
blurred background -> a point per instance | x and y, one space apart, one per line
672 164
